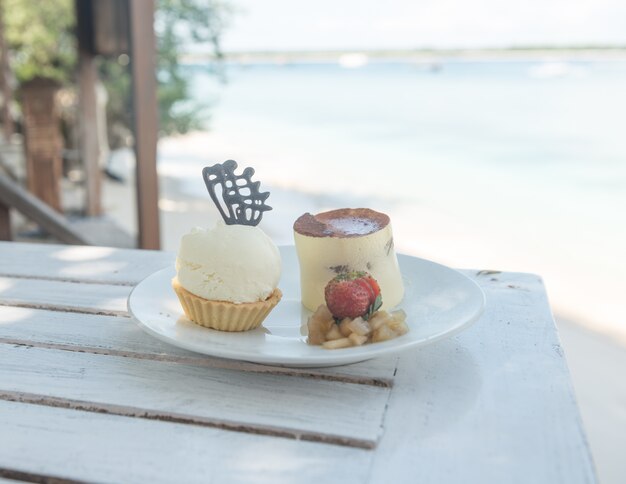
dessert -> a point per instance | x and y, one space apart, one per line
227 276
351 315
346 240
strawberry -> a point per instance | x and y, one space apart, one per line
353 294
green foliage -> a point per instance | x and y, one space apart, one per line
40 35
179 22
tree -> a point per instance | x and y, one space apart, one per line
40 36
177 23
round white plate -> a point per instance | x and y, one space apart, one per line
439 302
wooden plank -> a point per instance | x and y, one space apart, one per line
85 264
319 410
119 336
12 195
64 296
92 447
79 263
146 119
493 404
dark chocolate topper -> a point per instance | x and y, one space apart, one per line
242 203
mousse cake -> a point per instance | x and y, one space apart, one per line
346 240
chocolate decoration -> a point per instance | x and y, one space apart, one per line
242 203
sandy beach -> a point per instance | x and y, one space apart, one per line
596 363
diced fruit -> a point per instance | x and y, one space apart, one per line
383 333
382 326
337 343
357 340
344 327
322 312
401 328
378 319
398 315
360 327
319 324
398 322
316 337
353 294
333 333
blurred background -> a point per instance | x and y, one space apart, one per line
491 132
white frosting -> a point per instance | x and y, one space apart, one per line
236 263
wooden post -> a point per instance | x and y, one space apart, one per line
90 151
43 140
145 117
5 222
7 121
89 142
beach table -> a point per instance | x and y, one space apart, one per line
86 395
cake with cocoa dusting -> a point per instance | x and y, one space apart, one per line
346 240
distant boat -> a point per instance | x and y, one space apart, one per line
353 61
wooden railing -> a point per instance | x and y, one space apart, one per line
13 195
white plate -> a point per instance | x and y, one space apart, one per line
439 302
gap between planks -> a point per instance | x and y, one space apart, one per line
21 476
135 412
317 374
63 309
75 280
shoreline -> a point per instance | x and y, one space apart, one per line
530 53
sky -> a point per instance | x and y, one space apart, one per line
401 24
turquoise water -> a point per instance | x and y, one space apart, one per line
409 130
526 153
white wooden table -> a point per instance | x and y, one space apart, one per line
85 395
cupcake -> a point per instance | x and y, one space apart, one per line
227 276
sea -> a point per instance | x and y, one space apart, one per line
508 164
